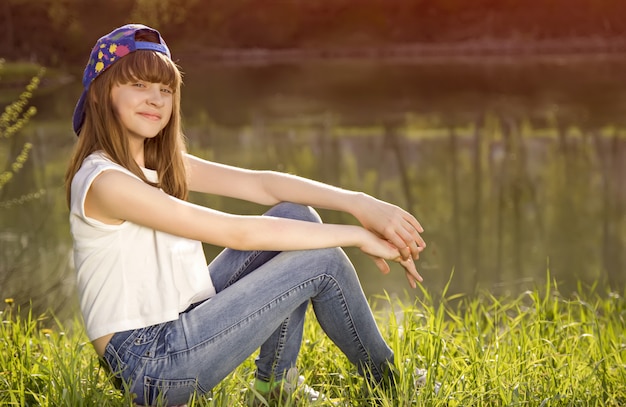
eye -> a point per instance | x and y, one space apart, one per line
139 84
167 90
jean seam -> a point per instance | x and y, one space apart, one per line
236 276
243 320
355 334
280 346
175 383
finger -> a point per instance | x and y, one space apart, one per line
414 235
381 264
406 252
400 243
412 246
417 255
414 223
415 243
405 237
411 280
409 229
411 272
415 250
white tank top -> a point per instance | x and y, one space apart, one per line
130 276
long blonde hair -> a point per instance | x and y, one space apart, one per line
102 131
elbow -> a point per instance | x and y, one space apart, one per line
267 196
243 233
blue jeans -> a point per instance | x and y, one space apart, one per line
261 301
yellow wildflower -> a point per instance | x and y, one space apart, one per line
46 331
9 301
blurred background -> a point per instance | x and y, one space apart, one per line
499 123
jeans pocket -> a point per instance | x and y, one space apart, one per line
169 391
115 364
147 335
126 352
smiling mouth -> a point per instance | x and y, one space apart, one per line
150 116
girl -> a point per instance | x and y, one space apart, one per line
164 324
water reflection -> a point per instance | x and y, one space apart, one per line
507 189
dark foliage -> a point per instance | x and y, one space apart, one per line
59 32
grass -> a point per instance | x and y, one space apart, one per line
538 349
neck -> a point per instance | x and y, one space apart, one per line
137 151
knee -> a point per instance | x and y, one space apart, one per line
291 210
334 261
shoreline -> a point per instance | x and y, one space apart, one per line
15 74
476 51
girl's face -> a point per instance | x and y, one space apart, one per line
143 108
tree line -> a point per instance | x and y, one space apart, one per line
59 32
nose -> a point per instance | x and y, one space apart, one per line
155 96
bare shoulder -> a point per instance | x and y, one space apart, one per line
113 194
102 194
111 181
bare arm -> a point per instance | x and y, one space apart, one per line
268 187
115 197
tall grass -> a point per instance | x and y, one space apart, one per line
538 349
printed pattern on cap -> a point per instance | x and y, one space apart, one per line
115 45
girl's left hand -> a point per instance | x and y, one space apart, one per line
380 250
410 270
392 223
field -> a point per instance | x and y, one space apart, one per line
541 348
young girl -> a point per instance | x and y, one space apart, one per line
166 325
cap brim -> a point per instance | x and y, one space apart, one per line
79 113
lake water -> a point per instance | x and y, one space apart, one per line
516 169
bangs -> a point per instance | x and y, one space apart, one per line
148 66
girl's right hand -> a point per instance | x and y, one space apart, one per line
381 250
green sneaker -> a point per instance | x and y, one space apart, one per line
290 391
